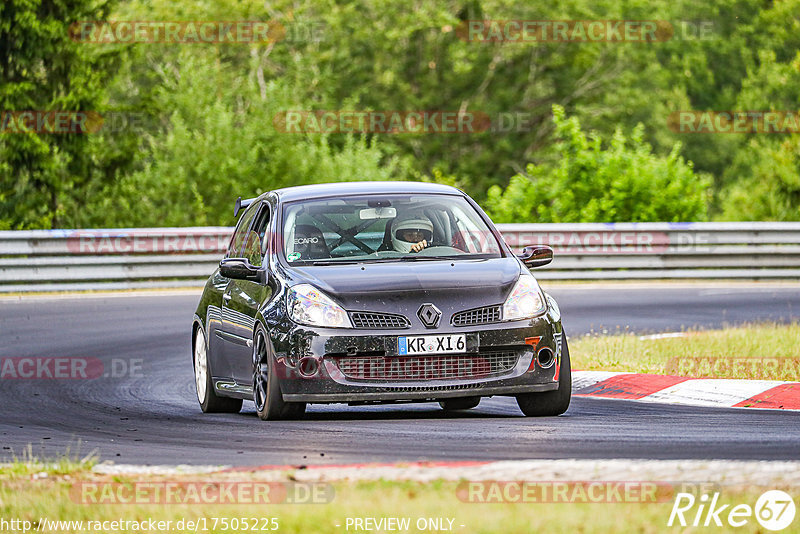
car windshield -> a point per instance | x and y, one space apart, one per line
385 228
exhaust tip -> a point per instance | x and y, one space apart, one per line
545 358
308 367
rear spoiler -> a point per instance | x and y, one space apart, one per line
241 204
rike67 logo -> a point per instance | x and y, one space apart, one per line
774 510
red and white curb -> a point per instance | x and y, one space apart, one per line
729 393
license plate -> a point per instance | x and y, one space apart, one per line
431 344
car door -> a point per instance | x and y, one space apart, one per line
219 329
242 299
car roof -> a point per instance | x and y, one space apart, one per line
305 192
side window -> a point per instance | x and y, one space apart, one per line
253 248
239 235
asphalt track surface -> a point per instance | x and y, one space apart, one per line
153 417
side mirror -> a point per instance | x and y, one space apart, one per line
241 269
536 255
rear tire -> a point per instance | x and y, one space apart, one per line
269 402
461 403
209 401
551 403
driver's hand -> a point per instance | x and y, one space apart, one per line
416 247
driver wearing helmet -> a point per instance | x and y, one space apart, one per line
412 233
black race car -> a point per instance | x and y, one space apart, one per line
375 292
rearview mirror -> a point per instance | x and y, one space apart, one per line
241 269
377 213
536 255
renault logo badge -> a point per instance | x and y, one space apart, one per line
430 315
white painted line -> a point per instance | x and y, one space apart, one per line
724 472
724 285
663 336
712 392
104 294
585 379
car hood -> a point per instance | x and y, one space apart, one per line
389 287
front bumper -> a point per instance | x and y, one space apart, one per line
329 347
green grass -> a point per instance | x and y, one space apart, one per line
754 351
28 463
26 498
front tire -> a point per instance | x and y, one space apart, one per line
551 403
209 401
267 396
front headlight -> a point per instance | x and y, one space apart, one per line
525 300
310 306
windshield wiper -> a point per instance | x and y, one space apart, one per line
425 258
404 258
381 260
334 262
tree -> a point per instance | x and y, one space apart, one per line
763 180
42 69
770 189
221 142
367 55
623 181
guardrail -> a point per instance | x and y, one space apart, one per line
54 260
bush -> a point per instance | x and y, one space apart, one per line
770 189
589 183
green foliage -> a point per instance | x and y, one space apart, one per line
41 68
624 181
220 143
770 189
762 183
210 133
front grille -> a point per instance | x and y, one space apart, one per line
453 387
445 367
379 320
485 315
